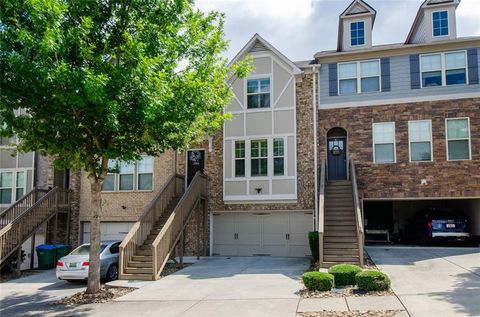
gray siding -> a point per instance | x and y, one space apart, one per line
400 86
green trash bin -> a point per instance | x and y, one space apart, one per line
62 250
46 256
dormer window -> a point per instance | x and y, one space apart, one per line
357 33
440 23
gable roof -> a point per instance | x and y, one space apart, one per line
356 7
258 43
419 16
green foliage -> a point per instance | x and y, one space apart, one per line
318 281
372 281
313 241
103 80
344 273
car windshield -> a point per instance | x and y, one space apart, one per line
85 249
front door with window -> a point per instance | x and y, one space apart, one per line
195 163
337 158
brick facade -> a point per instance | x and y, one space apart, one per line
445 179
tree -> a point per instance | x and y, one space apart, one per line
110 79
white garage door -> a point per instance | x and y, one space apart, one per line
108 230
274 234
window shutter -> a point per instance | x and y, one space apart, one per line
472 59
332 79
414 72
385 68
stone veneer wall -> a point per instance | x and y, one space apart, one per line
445 179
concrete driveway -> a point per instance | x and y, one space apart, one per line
32 295
433 281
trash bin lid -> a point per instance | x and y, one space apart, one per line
59 246
45 247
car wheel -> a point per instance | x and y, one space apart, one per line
112 273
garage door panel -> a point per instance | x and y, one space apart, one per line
224 242
249 229
275 228
108 231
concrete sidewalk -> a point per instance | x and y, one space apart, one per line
433 281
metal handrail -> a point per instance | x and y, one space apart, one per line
358 212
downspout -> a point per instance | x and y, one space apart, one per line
315 159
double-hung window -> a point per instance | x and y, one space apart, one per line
239 158
127 169
440 23
442 69
20 185
458 139
145 173
278 157
259 157
258 93
384 142
6 191
109 181
357 33
357 77
420 140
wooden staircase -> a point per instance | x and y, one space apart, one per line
152 240
22 219
140 266
340 244
340 220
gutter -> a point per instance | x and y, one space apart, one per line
315 155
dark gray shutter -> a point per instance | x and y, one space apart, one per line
414 72
385 69
472 59
332 79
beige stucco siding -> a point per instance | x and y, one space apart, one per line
259 123
284 186
283 122
236 188
228 158
235 126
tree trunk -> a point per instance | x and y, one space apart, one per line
93 285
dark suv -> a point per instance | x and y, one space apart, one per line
436 224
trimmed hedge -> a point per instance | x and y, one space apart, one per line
344 273
372 281
313 241
318 281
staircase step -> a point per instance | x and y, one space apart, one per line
341 259
143 252
341 252
350 228
340 245
142 258
337 239
141 277
349 234
138 270
137 264
327 265
340 222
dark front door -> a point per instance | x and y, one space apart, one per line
337 158
195 163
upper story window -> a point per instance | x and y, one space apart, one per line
12 186
360 77
239 158
258 93
357 33
420 140
458 139
131 176
259 157
440 23
442 69
278 157
384 142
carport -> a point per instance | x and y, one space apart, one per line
392 216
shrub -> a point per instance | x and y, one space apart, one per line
313 240
318 281
372 281
344 273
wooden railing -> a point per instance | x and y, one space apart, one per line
141 229
358 212
321 211
165 242
21 206
24 225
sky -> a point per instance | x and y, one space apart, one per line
300 28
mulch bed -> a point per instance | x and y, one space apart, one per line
347 291
369 313
106 294
171 268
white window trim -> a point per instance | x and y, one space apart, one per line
267 157
459 139
394 143
443 68
359 77
278 156
116 180
235 159
350 34
410 142
24 185
448 27
137 174
14 172
245 95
